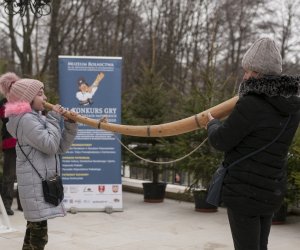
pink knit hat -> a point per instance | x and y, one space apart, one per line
16 89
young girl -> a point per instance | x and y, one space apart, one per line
41 139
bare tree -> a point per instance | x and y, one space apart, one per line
281 21
5 54
192 43
21 29
239 28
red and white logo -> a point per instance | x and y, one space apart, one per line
101 188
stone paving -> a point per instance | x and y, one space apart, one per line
142 226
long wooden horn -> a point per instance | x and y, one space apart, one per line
162 130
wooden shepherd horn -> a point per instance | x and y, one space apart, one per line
162 130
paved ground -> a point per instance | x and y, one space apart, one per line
144 226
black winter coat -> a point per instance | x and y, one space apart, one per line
256 186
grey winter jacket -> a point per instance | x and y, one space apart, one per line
42 140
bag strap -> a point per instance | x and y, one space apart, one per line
27 156
262 148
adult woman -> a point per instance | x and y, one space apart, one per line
254 188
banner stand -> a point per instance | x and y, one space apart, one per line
91 168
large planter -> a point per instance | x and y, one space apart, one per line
154 192
279 216
200 202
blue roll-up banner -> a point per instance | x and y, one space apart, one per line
91 169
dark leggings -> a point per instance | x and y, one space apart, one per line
249 232
36 236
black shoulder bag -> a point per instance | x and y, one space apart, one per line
53 189
216 183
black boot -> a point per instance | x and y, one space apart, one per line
9 211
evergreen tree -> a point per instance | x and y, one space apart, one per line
150 105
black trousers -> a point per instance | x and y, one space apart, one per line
9 177
249 232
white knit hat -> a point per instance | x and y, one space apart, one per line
17 90
263 57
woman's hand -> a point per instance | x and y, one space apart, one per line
209 118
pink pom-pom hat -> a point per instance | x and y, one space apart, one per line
19 90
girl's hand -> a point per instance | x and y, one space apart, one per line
72 113
59 109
